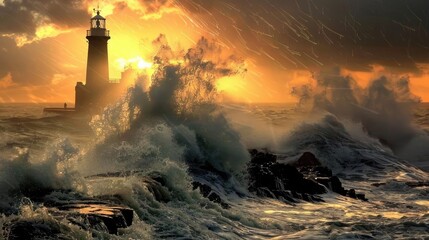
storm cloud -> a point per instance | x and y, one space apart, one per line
278 35
24 16
36 63
311 34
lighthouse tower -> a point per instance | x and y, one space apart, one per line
97 70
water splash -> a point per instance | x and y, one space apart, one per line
383 108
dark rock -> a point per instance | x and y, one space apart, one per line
311 167
336 186
157 187
205 190
101 214
418 184
31 230
269 178
325 181
208 192
307 160
305 197
409 184
265 192
114 174
157 176
378 184
317 198
284 195
361 196
351 193
304 179
262 157
321 171
289 178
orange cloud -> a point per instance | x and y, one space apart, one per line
6 82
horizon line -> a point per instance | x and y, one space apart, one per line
274 102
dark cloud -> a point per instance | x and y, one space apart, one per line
155 6
36 63
7 49
66 13
311 34
146 7
14 19
23 17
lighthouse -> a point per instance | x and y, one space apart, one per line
98 90
97 70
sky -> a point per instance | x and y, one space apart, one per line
43 49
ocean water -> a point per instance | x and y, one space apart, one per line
63 152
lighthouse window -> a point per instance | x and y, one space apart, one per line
98 23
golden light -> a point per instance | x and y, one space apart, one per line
135 62
142 64
233 88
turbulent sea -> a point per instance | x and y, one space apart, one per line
61 152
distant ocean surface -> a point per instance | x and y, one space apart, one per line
25 125
76 147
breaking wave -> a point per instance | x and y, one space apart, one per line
383 109
168 132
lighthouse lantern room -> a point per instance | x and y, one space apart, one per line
98 26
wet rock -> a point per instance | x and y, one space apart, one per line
269 178
304 178
378 184
311 167
336 186
262 157
207 192
307 160
409 184
418 184
156 184
361 196
351 193
99 215
87 214
102 213
286 196
31 230
159 177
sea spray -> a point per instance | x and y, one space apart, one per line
173 128
181 100
383 108
20 177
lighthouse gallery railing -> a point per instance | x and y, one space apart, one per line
98 32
